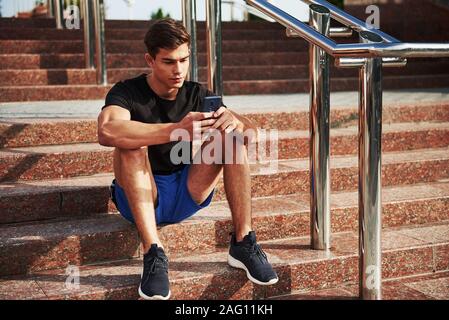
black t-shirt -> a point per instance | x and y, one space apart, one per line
146 106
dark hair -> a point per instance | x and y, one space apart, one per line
165 34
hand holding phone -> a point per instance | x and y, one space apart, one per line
211 104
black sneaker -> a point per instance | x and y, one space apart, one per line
154 284
248 255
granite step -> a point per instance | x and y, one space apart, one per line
63 161
25 162
81 196
44 77
53 92
122 60
27 132
406 252
11 33
135 24
234 87
432 286
230 73
137 46
336 84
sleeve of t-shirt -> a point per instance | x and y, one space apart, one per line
119 95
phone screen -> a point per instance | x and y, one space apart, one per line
211 104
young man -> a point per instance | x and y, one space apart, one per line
138 119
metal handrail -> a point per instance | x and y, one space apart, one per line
247 8
214 52
367 50
189 21
376 49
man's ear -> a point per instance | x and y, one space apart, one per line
149 59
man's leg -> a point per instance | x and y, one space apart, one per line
243 247
133 173
203 178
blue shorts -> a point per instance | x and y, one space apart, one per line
174 202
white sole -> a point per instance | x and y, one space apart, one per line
144 296
239 265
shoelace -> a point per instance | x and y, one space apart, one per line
161 261
256 250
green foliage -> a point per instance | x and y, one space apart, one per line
159 14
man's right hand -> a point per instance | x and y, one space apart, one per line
205 120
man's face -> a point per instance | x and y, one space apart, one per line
170 67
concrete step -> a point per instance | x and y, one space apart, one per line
291 144
337 84
81 76
44 77
27 132
135 46
135 24
406 252
47 199
235 87
11 33
123 60
431 286
31 163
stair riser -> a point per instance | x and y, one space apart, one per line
342 145
79 77
343 84
130 34
61 61
47 133
134 24
84 201
59 253
71 164
117 46
15 94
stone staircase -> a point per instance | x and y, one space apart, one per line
55 212
38 62
55 209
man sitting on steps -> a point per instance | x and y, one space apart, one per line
138 119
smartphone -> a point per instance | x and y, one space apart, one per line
211 104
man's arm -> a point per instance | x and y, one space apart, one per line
116 129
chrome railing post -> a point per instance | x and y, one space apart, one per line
370 166
100 47
89 37
50 9
189 20
319 133
214 54
59 13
